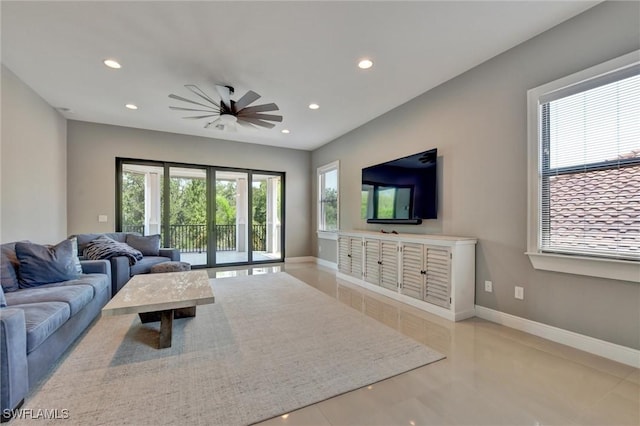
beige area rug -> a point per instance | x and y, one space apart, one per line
269 345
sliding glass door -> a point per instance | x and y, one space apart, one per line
215 216
231 224
266 216
187 207
140 198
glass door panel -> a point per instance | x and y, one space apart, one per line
141 194
188 213
231 225
266 217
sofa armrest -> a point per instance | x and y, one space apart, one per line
120 273
96 267
14 374
172 253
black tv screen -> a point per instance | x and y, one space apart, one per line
402 190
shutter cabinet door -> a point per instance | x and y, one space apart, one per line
389 265
372 259
438 276
344 260
356 257
412 277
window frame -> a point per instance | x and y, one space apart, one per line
321 172
579 264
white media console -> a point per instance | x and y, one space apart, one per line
435 273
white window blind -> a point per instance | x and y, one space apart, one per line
590 168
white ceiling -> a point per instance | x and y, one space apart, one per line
292 53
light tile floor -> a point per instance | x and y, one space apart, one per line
493 375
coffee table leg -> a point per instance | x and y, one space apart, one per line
166 327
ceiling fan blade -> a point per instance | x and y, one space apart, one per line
196 90
180 98
225 95
211 123
246 125
248 98
194 109
201 116
258 122
269 117
258 108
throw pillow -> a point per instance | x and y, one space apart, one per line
9 267
44 264
148 245
3 300
76 259
104 247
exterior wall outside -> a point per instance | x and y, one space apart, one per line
34 166
93 148
478 122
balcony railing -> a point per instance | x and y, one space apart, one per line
193 238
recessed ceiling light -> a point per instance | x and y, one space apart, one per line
112 64
314 106
131 106
285 131
365 64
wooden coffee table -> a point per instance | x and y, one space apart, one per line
162 296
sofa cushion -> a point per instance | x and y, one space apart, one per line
148 245
144 265
76 296
9 267
40 264
99 282
42 320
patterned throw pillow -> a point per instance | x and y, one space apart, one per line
104 247
44 264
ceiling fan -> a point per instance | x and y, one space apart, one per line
226 113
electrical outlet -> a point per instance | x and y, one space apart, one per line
488 286
519 293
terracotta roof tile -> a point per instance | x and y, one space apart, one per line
597 209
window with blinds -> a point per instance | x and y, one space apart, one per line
589 176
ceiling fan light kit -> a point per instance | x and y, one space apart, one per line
225 113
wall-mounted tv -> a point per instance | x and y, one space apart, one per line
401 191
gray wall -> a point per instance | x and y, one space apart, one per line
478 123
92 149
34 166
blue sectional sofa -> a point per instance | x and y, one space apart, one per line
38 324
121 270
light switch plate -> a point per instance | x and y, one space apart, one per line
102 218
519 293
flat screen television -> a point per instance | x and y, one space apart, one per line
401 191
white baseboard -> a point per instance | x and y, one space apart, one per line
327 264
592 345
300 259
